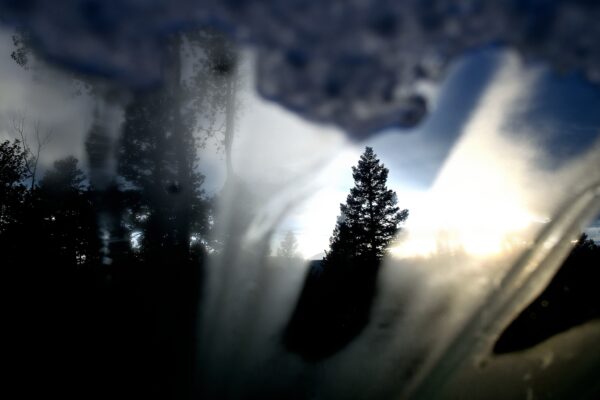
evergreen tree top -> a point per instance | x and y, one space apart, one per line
370 218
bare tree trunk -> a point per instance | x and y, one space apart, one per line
41 140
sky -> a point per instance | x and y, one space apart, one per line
274 145
515 118
547 122
47 96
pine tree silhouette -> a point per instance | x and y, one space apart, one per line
370 218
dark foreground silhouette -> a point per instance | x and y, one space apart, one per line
124 331
333 308
571 299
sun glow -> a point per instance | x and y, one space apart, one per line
318 219
483 200
459 217
478 204
313 221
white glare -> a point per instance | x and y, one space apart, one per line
478 204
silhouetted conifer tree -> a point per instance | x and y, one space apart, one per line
370 218
158 157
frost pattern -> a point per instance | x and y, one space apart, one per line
354 63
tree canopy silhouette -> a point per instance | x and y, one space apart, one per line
370 218
13 172
67 215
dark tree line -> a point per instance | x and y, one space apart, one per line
95 313
86 305
54 220
50 257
